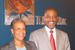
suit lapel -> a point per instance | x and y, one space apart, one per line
46 38
57 39
28 47
11 46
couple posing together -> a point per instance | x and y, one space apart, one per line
46 38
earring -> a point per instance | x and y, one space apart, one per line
12 35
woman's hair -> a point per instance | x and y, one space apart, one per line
16 20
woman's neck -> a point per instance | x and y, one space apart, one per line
19 44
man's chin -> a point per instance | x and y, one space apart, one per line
51 27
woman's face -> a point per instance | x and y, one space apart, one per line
19 30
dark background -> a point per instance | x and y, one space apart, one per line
65 9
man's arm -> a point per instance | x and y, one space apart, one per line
67 43
33 38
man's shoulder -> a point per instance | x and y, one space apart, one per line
37 31
61 32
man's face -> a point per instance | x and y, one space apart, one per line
19 31
50 18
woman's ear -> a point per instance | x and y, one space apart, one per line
12 31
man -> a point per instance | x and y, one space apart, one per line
48 37
18 29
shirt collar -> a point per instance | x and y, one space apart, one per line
48 29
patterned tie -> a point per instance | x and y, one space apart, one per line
52 41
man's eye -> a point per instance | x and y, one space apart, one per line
54 16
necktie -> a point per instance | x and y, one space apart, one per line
52 41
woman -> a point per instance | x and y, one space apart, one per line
18 29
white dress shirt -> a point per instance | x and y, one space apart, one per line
54 33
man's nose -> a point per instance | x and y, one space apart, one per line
21 30
51 18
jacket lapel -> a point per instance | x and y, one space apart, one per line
57 39
11 46
46 38
28 47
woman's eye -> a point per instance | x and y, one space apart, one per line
47 16
18 28
23 28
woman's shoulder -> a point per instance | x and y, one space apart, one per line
5 46
30 43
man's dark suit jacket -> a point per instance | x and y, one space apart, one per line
11 46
